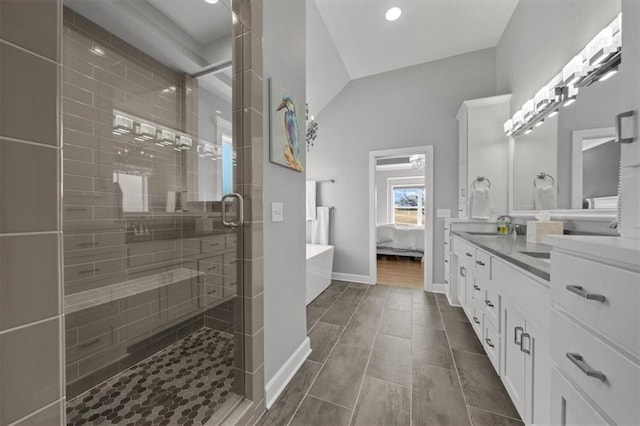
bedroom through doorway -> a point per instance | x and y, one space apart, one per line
401 201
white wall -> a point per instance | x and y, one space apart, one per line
411 177
284 243
408 107
326 73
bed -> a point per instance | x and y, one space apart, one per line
400 240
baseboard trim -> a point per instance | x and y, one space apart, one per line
282 378
361 279
451 303
439 288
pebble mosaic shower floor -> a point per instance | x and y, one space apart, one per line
184 384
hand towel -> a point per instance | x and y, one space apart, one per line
480 203
311 200
320 226
544 197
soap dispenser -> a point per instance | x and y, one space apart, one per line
504 224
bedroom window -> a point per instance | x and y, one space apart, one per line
408 205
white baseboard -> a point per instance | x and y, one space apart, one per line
276 385
353 278
439 288
451 303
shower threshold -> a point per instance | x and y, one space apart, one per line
188 383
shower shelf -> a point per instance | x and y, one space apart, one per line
91 298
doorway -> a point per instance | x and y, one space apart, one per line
401 217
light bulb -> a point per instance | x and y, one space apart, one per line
393 13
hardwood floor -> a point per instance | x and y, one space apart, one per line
400 271
391 356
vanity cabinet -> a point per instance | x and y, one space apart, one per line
483 150
509 311
595 347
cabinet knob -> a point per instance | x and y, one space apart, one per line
580 291
476 320
578 360
489 342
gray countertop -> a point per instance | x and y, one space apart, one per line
510 249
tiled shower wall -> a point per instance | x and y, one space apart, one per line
248 121
30 293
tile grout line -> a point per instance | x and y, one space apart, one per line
366 367
455 364
328 355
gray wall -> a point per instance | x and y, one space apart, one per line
326 72
408 107
284 243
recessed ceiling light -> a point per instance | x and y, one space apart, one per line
393 13
211 1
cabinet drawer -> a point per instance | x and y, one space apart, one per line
568 407
491 305
483 267
491 343
212 244
616 393
618 316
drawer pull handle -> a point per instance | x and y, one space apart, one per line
583 293
489 342
578 360
475 286
469 254
446 282
479 262
526 350
489 304
476 320
515 335
463 271
446 261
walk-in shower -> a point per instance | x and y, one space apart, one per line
152 244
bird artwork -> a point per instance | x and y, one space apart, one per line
285 134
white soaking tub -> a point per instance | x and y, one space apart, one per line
319 269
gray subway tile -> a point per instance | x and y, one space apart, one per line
28 187
31 24
30 369
28 279
29 96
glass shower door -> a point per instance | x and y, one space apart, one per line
152 246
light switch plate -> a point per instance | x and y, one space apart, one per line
277 212
443 213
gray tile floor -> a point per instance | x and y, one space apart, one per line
391 356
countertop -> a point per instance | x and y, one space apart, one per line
509 248
615 249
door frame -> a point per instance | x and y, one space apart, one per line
428 151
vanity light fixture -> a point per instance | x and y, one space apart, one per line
528 131
553 114
211 1
508 127
528 110
608 75
393 13
539 123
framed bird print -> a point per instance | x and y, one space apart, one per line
285 143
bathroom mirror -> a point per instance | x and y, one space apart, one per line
569 161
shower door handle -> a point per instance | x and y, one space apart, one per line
240 221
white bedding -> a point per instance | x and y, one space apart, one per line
400 238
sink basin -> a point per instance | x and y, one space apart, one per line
537 255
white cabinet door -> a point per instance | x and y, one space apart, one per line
538 375
514 362
463 279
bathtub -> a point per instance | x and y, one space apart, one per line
319 268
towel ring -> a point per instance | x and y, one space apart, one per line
481 179
543 176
